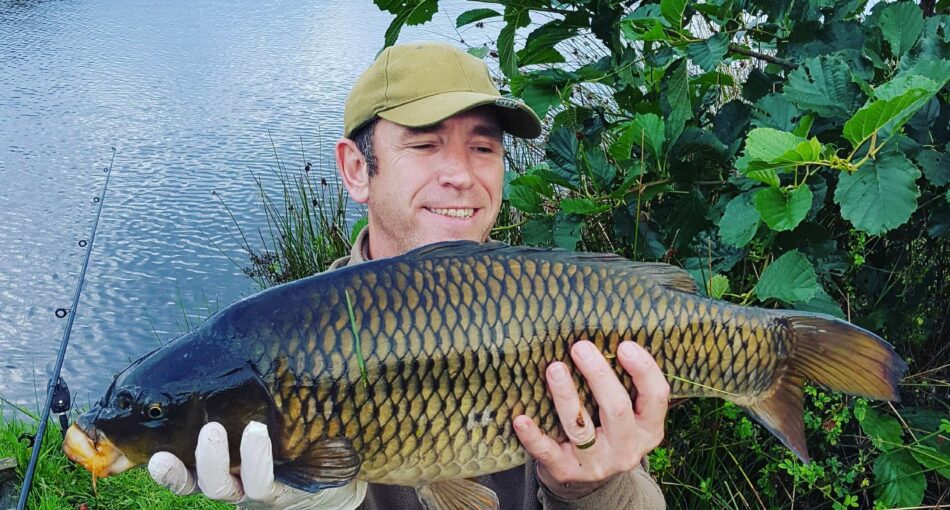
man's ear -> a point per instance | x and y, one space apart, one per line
352 167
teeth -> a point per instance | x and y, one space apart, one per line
455 213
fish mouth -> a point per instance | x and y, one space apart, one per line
99 456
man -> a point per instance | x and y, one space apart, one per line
423 149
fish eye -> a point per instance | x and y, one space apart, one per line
155 411
123 402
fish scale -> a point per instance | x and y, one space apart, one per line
452 342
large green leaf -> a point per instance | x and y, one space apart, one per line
936 166
672 10
601 171
539 231
677 95
408 12
767 144
790 278
906 82
781 210
754 171
933 459
823 85
645 23
524 198
647 130
898 480
883 430
582 206
474 15
775 111
901 24
541 98
507 58
561 154
879 196
821 303
567 230
889 113
709 53
739 221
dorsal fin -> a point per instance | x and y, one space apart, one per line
668 276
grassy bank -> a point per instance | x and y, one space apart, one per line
59 484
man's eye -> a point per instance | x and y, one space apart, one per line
423 146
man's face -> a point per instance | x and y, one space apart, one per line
437 183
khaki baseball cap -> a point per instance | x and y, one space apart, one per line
421 84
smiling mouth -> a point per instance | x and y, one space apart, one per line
452 213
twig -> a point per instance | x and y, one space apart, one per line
787 64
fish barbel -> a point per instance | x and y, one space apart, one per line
409 370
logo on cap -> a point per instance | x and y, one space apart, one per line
505 102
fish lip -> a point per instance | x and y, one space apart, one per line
95 452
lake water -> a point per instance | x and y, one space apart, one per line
190 94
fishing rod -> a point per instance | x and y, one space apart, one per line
56 388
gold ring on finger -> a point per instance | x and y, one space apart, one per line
587 444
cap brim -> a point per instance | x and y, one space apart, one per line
516 117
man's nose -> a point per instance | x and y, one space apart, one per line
457 170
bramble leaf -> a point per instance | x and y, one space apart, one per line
899 481
884 430
930 458
790 278
718 286
879 196
781 210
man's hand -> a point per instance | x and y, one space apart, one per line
256 487
628 430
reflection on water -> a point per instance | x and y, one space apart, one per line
191 94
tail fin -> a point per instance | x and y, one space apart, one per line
832 353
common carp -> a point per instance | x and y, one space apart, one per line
409 370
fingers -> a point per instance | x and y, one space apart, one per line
575 420
168 471
213 465
257 464
544 449
653 396
616 409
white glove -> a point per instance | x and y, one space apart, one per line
256 487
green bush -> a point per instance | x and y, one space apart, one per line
787 154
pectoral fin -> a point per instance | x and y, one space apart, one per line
329 463
458 494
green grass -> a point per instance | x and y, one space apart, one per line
60 484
